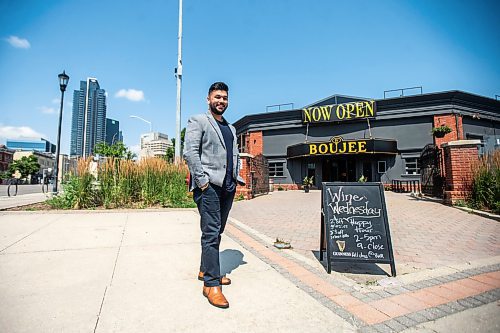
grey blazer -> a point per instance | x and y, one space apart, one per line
205 151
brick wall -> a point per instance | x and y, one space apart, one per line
246 190
254 143
459 158
450 121
287 187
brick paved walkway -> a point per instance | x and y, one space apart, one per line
424 234
452 259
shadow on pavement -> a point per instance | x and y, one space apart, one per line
351 267
230 260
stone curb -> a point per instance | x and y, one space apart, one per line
479 212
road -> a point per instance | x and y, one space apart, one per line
23 189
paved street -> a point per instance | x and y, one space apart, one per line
135 271
22 189
22 200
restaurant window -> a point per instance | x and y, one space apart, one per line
276 169
311 169
411 166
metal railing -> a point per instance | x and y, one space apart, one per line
402 90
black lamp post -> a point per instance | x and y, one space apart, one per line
63 83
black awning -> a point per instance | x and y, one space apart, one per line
338 146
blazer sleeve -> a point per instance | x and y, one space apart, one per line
192 151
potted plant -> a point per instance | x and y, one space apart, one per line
307 183
441 131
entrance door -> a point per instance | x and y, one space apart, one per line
367 171
339 170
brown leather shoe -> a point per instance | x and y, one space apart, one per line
215 296
225 281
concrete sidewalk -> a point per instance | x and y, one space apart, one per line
135 271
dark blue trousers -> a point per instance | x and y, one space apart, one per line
214 205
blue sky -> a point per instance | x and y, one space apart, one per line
269 52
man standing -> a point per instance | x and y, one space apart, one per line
211 153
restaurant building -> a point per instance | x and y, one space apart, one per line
343 138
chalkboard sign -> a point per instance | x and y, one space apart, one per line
354 224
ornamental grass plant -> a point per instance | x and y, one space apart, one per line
79 191
485 192
125 183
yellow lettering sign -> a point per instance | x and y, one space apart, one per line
338 146
307 115
326 112
361 146
369 107
350 108
340 107
346 111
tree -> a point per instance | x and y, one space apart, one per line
116 150
129 155
26 166
171 150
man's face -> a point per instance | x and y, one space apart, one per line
217 101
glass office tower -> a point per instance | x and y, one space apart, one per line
113 133
88 126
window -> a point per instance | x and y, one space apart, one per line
242 143
411 166
276 169
311 169
382 167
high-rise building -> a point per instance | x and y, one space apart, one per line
88 126
154 144
113 133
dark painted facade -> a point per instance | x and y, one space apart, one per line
381 146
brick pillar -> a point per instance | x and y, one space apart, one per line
245 174
459 158
255 144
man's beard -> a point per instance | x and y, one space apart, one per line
213 108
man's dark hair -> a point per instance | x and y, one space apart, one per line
218 86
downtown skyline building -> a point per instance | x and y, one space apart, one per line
113 133
154 144
88 126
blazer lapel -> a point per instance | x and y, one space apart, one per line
212 122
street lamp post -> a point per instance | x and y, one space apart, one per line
178 75
63 83
144 120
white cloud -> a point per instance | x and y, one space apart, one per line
130 94
19 43
47 110
56 101
20 132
